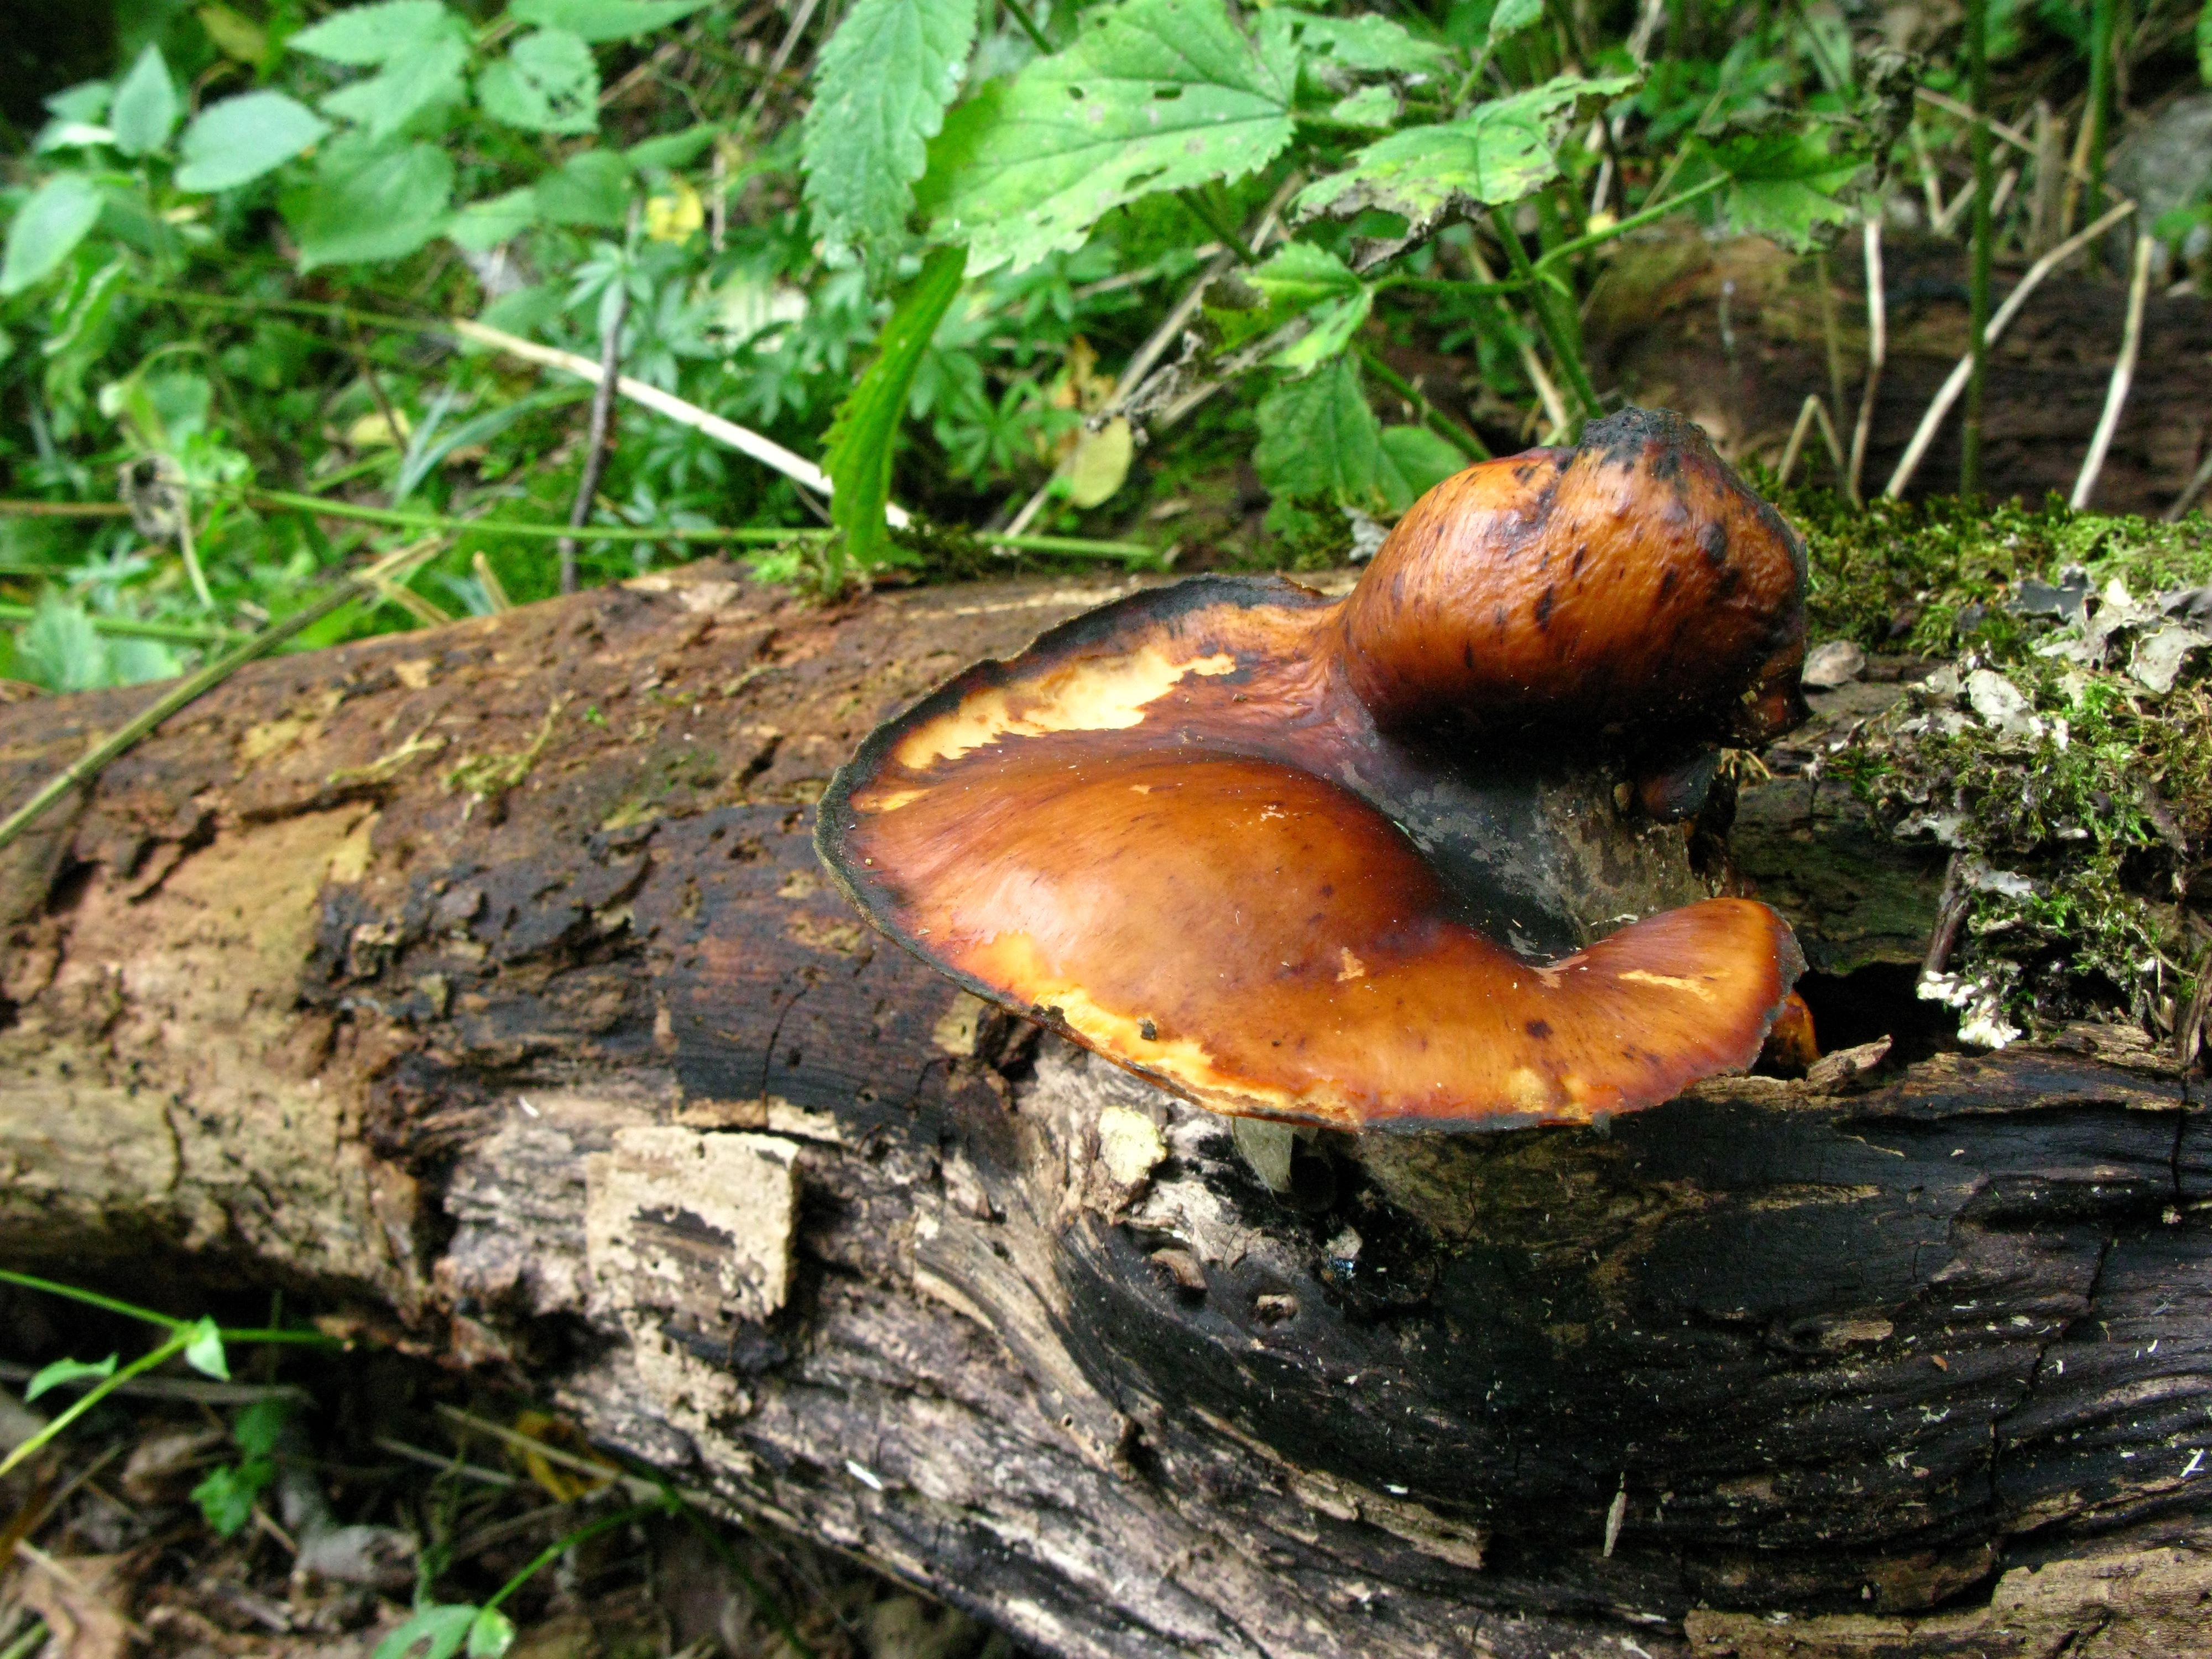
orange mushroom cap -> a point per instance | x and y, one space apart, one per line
1290 858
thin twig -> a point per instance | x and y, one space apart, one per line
1956 382
64 510
1532 365
430 1459
495 590
1877 351
2191 490
2124 374
190 689
595 449
1813 410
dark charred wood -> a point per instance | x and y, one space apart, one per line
481 984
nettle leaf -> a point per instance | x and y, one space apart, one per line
146 106
1318 437
483 225
363 35
369 201
1784 186
592 187
858 455
1373 107
1300 278
879 98
548 83
1493 155
1371 45
425 78
1153 95
1422 459
604 20
238 140
46 229
1512 16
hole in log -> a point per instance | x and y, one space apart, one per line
1878 1000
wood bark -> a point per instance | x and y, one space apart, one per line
480 985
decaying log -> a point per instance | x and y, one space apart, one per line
480 984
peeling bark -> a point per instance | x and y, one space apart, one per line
481 984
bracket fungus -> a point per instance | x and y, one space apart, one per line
1353 863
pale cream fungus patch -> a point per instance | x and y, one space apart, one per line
1668 981
1107 696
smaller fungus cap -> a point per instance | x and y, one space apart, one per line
1266 849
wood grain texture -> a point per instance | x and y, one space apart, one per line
362 975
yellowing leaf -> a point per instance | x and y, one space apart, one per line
1100 464
235 36
676 216
374 431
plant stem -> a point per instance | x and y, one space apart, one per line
1634 221
196 685
125 628
560 1546
1020 14
1543 299
1978 70
595 446
62 510
1225 234
1433 417
2099 111
176 1344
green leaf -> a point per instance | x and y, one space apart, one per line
439 1631
1512 16
427 78
226 1495
1420 459
1153 95
204 1352
491 1633
47 228
671 149
592 188
1784 185
603 20
1371 45
60 648
1317 436
259 1426
369 202
66 1371
879 96
236 141
483 225
547 83
85 101
2204 43
1302 278
1370 107
859 461
1495 154
145 110
1333 326
362 35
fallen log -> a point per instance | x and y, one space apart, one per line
480 985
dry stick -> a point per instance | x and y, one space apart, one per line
2124 374
2191 491
1813 410
62 510
1877 352
595 452
1956 382
1547 389
391 567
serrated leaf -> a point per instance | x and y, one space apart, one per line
604 20
671 149
369 202
238 140
866 432
483 225
491 1633
46 229
204 1351
63 1371
548 83
1495 154
1784 185
1371 45
1333 326
1299 274
1370 107
362 35
1153 95
879 96
145 110
1512 16
226 1495
1421 459
1317 436
591 188
420 80
434 1633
